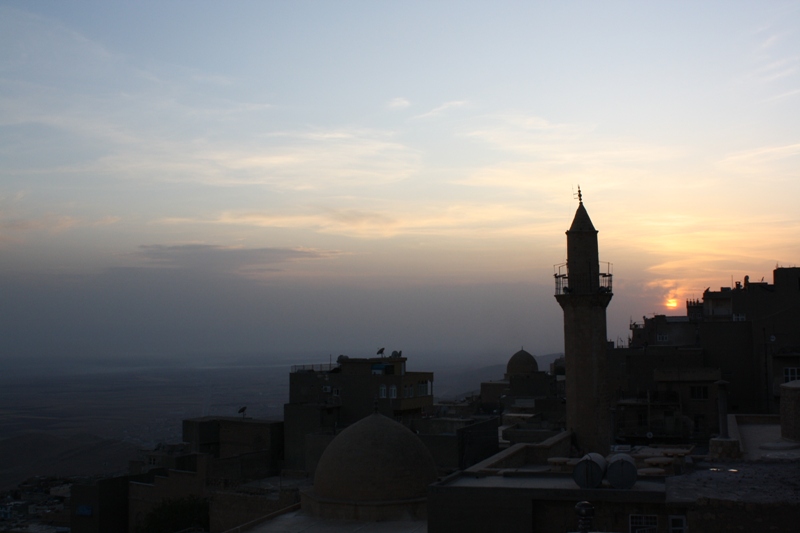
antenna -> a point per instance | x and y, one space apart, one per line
578 196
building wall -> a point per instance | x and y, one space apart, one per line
315 444
299 420
247 436
228 510
536 384
324 399
730 517
491 391
790 410
144 497
469 510
103 506
511 510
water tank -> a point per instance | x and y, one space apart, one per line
621 472
589 471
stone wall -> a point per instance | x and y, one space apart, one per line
790 410
228 510
726 516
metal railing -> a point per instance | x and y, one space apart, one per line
605 279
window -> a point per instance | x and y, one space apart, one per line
698 392
422 388
643 523
393 391
382 391
336 391
791 374
739 317
662 337
677 524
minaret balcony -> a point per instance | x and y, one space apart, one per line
603 285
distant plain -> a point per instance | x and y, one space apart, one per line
89 417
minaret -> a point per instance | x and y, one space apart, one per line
584 293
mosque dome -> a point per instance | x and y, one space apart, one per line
521 362
375 459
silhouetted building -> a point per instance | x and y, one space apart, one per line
584 291
522 380
457 443
749 332
102 505
326 398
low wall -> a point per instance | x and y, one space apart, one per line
523 454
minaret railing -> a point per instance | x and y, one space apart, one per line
605 278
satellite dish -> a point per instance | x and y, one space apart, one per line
242 410
649 435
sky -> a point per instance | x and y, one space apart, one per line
335 177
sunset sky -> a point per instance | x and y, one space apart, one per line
334 177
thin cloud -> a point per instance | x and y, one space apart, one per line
442 108
759 159
781 96
473 220
48 223
225 259
547 155
286 160
399 103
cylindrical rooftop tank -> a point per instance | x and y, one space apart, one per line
621 471
589 471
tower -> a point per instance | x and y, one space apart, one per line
584 292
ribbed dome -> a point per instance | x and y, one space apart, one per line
521 363
375 459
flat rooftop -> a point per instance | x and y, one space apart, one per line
553 486
747 482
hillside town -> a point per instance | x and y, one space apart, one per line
694 425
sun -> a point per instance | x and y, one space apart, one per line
672 303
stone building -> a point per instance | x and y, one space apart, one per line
325 398
522 380
748 331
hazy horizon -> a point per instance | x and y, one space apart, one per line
315 177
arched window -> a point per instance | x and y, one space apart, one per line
393 391
382 392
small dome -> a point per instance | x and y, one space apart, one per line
375 459
521 363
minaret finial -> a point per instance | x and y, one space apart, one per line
580 195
